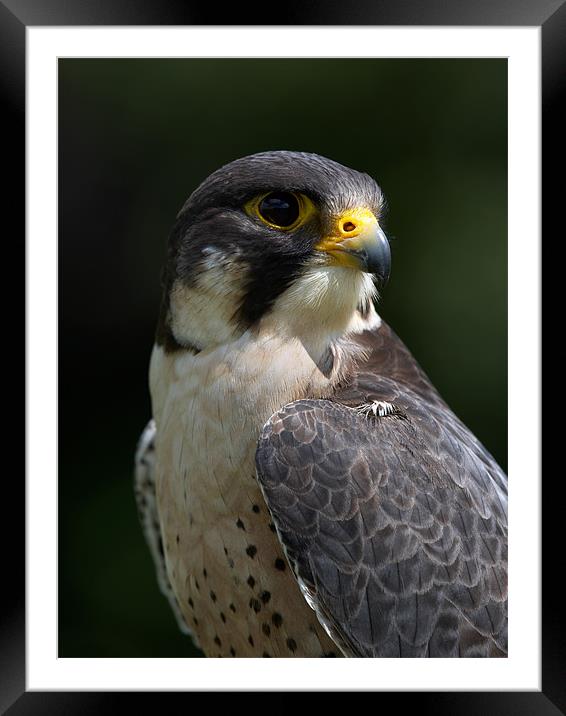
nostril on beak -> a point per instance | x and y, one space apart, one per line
348 226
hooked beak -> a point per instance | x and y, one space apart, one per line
358 242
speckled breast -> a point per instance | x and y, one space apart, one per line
226 565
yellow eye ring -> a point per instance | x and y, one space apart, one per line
281 210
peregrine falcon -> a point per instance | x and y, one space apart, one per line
303 488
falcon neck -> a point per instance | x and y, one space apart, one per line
322 308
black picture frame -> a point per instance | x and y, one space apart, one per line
15 17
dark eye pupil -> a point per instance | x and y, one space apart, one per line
279 208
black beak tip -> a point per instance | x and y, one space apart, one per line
378 260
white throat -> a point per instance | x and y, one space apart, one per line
321 306
316 310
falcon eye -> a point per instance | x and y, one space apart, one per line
280 209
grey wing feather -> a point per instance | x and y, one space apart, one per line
144 488
394 522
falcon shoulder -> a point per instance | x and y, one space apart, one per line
144 489
393 516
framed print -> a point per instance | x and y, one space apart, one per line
126 112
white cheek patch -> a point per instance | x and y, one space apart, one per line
204 314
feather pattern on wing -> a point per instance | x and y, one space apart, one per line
392 514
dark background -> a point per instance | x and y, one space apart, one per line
136 137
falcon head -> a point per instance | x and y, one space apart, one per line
288 239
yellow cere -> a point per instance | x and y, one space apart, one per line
349 229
